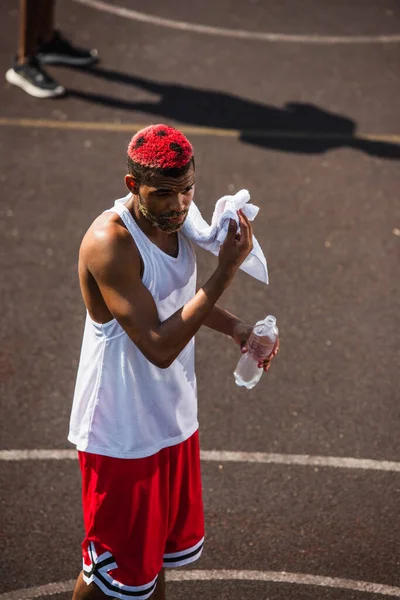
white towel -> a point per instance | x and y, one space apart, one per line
212 236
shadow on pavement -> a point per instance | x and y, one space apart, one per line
297 127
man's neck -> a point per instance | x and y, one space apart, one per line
152 232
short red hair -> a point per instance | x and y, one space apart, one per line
161 147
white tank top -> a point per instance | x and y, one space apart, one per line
123 405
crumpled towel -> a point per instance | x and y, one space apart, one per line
212 236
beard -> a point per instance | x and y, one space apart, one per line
162 221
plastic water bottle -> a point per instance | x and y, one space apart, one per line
260 345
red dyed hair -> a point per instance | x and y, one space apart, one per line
160 147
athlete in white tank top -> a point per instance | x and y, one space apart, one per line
136 386
135 392
125 406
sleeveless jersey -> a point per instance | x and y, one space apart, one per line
124 406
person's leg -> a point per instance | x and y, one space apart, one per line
27 73
29 13
54 48
159 593
83 591
46 24
126 522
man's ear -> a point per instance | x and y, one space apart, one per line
131 184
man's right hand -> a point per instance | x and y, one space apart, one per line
237 246
110 255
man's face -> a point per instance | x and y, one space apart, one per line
165 203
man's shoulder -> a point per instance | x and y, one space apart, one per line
107 228
106 240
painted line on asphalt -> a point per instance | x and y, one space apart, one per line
15 455
221 456
110 126
135 15
284 577
196 130
39 591
301 460
225 575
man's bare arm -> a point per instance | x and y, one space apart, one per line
112 258
221 320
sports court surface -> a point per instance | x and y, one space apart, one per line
299 103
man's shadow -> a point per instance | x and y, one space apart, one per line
297 127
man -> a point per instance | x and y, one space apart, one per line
40 44
134 416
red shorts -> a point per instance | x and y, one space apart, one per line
140 514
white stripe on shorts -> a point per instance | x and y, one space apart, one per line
184 557
99 574
120 592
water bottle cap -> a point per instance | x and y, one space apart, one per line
270 321
265 325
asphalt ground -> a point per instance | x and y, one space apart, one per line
313 131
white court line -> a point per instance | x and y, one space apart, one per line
283 577
39 591
224 575
134 15
38 455
339 462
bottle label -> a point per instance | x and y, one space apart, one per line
261 346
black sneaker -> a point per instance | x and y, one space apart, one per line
60 52
34 80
